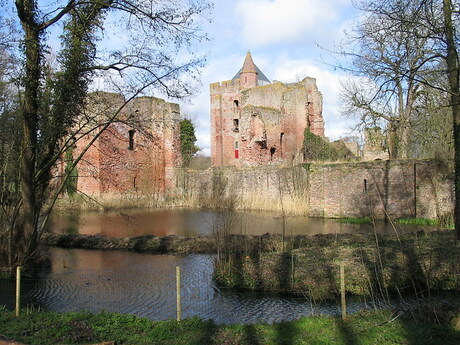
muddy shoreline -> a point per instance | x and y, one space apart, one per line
207 244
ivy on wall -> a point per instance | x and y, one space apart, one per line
71 183
316 148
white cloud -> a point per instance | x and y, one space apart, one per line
266 22
328 82
198 108
281 68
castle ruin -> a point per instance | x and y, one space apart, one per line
255 122
136 154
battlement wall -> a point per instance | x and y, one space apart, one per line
227 86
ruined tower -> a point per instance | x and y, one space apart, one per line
255 122
137 154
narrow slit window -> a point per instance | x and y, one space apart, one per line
365 186
131 139
281 144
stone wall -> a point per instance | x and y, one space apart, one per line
408 188
262 188
255 123
136 155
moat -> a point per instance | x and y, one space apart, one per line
144 284
189 222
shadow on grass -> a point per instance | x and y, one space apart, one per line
286 333
346 334
251 336
208 332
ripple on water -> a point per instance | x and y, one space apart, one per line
145 285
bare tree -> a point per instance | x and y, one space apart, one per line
452 43
431 134
155 52
388 67
424 42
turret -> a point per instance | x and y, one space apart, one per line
248 73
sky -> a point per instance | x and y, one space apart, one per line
288 40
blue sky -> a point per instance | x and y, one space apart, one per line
285 39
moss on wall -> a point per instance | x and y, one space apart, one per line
317 149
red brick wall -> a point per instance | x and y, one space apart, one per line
272 119
111 168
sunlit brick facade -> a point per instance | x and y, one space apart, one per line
255 122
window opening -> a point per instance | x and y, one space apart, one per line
236 104
365 185
131 139
236 125
272 152
281 144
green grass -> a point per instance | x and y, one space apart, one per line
444 222
377 327
356 220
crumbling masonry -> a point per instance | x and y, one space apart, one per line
255 122
136 154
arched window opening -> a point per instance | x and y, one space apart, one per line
235 105
272 152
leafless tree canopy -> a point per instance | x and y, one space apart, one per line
132 47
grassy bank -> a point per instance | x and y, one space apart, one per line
418 264
444 222
378 327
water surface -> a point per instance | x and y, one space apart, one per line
185 222
144 285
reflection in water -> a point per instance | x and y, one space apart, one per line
144 285
183 222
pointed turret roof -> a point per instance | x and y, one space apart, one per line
250 67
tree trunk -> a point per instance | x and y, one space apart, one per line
453 75
29 122
393 139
